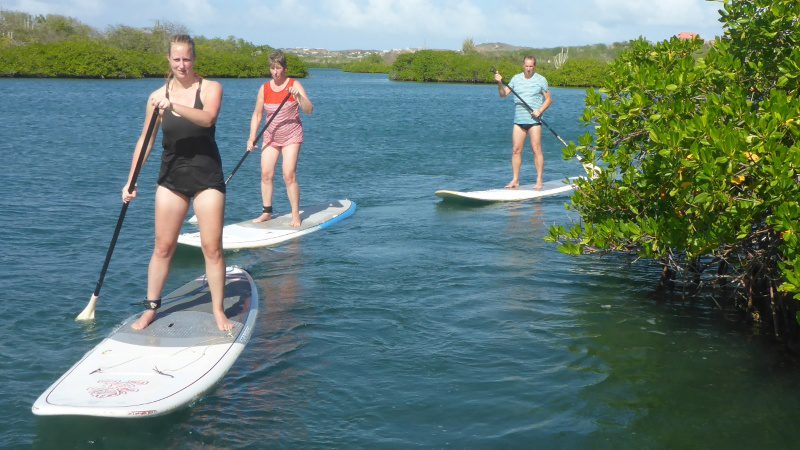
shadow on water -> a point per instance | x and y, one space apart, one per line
456 208
446 206
652 353
95 432
467 204
186 254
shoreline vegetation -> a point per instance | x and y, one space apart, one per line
701 159
55 46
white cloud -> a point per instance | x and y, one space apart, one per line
355 21
645 12
36 7
383 24
193 12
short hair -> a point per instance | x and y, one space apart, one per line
277 57
529 57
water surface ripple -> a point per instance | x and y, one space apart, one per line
413 324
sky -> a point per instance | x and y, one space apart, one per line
400 24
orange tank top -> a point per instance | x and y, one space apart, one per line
286 127
273 97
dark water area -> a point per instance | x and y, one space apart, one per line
412 324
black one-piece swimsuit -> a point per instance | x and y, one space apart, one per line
190 162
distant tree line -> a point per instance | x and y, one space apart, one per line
372 63
584 66
58 46
452 66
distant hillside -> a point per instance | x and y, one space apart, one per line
596 52
497 47
547 57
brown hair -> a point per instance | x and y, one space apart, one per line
179 39
531 57
277 57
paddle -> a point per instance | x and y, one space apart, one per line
88 312
590 169
193 219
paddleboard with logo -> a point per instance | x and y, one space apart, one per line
522 193
168 365
277 230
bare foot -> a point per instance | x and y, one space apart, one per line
296 221
537 187
513 184
262 218
144 320
223 323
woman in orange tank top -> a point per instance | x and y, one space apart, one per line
283 137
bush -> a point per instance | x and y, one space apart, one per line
702 160
57 46
438 65
372 63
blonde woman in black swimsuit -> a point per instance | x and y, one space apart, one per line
191 169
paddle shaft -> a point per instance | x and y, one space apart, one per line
590 168
540 119
150 127
260 133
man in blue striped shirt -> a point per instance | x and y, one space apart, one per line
533 88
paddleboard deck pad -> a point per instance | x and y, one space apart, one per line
278 229
549 188
166 366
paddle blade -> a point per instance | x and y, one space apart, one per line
592 170
88 312
192 220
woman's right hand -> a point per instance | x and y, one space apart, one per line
128 196
161 102
250 145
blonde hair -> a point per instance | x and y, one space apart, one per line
179 39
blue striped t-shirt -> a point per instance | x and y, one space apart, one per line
532 90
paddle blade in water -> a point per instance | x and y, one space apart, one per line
88 312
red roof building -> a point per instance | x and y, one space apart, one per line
687 36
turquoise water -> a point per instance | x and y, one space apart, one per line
412 324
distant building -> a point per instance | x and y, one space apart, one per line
687 36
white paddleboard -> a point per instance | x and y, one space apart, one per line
166 366
554 187
252 235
